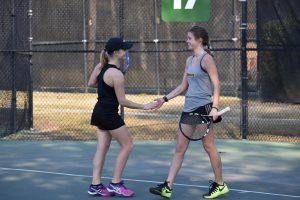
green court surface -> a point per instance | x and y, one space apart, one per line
59 170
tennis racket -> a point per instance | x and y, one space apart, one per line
195 126
127 62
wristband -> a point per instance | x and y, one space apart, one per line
215 108
165 99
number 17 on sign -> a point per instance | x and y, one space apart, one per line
185 10
189 5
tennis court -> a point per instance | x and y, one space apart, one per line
62 170
48 50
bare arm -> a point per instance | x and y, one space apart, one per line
93 78
118 82
210 66
183 85
178 90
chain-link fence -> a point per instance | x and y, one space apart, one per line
61 44
15 73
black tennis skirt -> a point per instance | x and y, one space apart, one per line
106 118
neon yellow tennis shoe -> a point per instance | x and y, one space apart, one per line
162 190
216 190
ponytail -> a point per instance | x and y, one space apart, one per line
207 49
104 58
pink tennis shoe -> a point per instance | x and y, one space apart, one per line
99 190
120 189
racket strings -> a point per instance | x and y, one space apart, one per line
195 126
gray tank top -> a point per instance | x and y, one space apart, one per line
199 91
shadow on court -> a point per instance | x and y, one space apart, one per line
62 170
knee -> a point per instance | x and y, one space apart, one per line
128 147
181 149
209 147
103 147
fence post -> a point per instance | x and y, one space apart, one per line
156 40
84 41
244 78
121 32
13 70
30 92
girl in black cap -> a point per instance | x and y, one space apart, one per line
109 79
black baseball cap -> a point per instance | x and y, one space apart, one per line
116 43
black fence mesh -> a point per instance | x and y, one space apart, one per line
276 108
279 28
14 67
67 39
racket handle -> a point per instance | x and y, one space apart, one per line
221 112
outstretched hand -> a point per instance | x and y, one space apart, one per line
160 102
151 105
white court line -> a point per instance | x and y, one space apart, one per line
144 181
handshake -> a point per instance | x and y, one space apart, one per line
156 104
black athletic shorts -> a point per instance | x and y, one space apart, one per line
106 117
202 110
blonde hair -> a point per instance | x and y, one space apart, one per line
103 58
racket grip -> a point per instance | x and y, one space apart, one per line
221 112
219 119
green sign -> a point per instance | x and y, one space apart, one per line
185 10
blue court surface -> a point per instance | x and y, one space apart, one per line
62 170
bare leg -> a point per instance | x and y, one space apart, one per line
214 156
123 137
181 146
104 140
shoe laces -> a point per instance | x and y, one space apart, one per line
165 184
213 186
98 187
121 184
161 185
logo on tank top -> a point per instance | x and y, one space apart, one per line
190 75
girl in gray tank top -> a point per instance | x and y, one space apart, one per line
201 84
199 91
